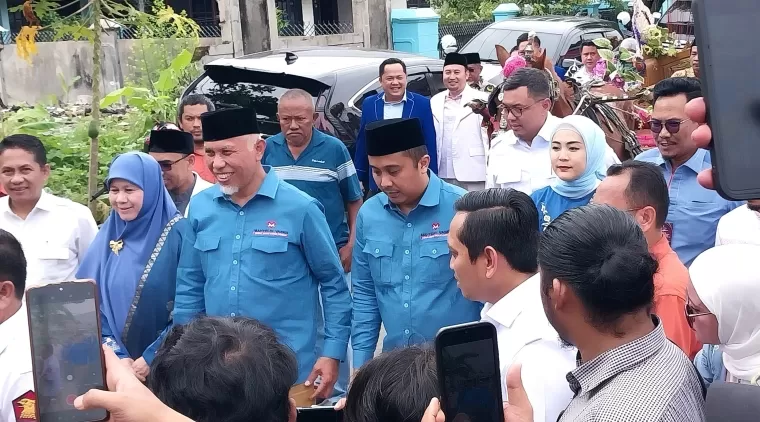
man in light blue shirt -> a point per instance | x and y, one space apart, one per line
694 211
262 249
400 274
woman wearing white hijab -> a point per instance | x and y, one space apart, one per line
724 307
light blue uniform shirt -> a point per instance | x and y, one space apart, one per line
400 272
550 205
393 110
324 170
694 211
266 260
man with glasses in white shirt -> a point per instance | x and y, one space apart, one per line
54 232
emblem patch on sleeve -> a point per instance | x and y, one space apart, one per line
25 407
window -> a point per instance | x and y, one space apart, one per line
436 80
486 41
416 83
574 51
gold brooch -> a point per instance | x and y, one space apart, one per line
116 246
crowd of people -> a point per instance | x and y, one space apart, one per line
233 268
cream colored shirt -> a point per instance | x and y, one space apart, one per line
15 364
741 225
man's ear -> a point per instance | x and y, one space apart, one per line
293 413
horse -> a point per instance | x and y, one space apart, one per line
592 100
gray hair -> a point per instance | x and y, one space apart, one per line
296 93
191 100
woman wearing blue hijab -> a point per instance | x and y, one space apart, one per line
578 146
134 260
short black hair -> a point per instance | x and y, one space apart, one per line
535 80
602 254
646 187
394 387
12 262
506 220
28 143
694 43
391 61
524 37
224 369
672 87
515 48
588 43
191 100
416 153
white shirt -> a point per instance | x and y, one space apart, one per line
55 237
741 225
16 377
512 163
525 336
451 106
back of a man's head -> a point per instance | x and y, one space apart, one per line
12 269
224 370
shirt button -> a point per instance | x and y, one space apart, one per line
232 314
232 288
409 224
377 250
406 277
242 212
406 305
405 331
237 237
234 262
435 251
406 251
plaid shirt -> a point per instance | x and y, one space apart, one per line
646 380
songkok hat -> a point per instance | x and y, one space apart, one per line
228 123
170 140
472 58
385 137
455 58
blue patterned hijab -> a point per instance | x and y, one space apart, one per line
118 275
596 147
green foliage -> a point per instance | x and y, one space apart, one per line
619 62
481 10
67 144
281 21
655 40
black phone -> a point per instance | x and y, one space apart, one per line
319 414
725 32
64 329
469 378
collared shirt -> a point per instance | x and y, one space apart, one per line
684 73
393 110
525 336
400 272
513 163
451 108
670 283
16 376
55 237
182 199
324 170
741 225
694 211
200 166
648 379
269 260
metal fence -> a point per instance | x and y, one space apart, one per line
311 29
462 31
125 33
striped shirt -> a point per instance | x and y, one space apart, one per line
324 171
647 380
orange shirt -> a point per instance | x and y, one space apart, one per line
670 297
201 168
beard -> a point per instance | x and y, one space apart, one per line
229 190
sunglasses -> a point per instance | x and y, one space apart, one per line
166 165
692 313
673 125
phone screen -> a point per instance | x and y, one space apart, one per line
65 337
471 384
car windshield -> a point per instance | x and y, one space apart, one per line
263 97
485 42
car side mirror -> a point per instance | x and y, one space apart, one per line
568 63
449 44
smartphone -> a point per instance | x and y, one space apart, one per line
319 414
469 378
64 328
725 31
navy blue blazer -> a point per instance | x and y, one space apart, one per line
373 108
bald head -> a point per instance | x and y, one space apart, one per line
296 114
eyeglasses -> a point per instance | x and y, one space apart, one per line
673 125
166 165
692 313
517 111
